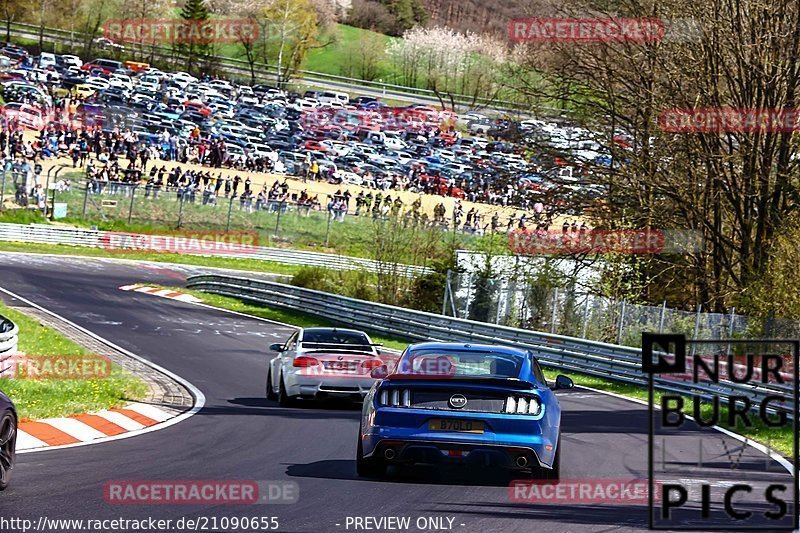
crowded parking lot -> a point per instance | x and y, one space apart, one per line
106 111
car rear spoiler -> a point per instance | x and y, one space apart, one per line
506 382
334 346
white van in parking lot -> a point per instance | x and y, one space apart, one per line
333 96
46 59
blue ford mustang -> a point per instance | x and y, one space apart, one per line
463 404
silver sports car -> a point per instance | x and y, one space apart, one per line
321 363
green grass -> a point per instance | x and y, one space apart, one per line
778 439
332 59
355 236
335 59
295 318
46 398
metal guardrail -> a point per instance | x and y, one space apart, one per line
71 236
608 361
9 337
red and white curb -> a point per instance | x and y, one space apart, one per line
164 293
88 427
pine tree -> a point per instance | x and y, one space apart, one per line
194 10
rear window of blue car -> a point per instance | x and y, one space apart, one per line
452 363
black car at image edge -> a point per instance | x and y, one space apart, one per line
8 439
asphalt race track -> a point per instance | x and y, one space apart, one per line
240 435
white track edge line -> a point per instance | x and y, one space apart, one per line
131 261
781 460
199 397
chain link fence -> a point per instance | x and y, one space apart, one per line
316 220
569 312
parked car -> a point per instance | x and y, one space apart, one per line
107 44
46 59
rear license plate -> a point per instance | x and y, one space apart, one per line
459 426
340 366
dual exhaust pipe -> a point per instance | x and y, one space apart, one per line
389 454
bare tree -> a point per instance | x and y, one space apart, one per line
735 189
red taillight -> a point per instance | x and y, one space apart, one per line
305 362
369 364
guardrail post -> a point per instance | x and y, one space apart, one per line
230 208
696 326
730 331
47 190
47 187
621 320
469 293
3 189
278 220
585 317
52 204
452 300
446 292
180 210
499 301
328 229
661 319
130 208
85 198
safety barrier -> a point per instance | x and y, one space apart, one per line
9 337
72 236
609 361
242 69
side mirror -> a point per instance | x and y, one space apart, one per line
379 372
563 382
276 347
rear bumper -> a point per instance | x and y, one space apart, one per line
503 440
392 451
328 386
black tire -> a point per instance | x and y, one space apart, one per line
284 400
8 447
368 467
270 393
